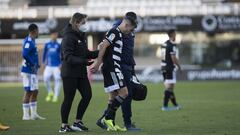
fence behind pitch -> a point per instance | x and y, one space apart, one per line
11 58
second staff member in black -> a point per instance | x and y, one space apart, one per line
75 59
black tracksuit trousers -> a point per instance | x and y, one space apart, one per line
70 85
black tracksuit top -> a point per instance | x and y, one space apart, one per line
75 53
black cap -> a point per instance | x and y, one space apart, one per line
132 17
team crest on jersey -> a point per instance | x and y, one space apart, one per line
111 37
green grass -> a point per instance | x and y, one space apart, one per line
209 108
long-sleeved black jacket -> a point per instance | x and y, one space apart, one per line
75 53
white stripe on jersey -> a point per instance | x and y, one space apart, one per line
114 78
117 70
117 49
120 34
115 63
119 42
115 57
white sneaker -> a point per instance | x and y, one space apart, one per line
37 117
26 118
166 109
179 107
171 108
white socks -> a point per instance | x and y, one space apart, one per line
57 87
26 107
32 106
47 82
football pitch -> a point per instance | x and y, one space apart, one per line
209 108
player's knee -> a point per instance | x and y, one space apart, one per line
46 78
112 95
26 97
27 94
169 86
123 92
57 80
170 89
34 94
26 100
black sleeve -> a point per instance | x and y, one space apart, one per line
92 54
133 60
133 70
172 49
67 49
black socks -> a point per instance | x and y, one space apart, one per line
112 108
173 99
169 95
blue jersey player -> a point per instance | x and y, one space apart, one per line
51 58
29 70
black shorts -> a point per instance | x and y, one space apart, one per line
169 76
113 80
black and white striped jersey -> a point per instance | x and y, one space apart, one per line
167 49
112 56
